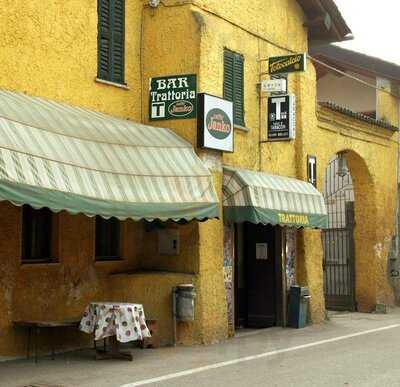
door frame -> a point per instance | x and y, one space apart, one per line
279 272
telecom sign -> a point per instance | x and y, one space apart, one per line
173 97
281 117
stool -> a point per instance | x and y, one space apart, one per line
154 340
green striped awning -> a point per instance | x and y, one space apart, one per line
68 158
267 199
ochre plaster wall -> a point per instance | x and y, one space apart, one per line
370 148
49 49
61 290
153 291
181 54
371 153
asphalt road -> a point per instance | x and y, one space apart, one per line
370 360
349 350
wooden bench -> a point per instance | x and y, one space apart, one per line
36 326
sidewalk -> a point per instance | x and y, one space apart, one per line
79 369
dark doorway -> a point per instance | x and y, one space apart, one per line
256 276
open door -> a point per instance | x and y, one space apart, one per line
260 256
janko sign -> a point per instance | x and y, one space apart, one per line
173 97
215 123
287 64
281 117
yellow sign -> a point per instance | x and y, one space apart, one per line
294 219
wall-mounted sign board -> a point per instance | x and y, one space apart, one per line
287 64
215 123
173 97
262 251
274 86
282 117
312 170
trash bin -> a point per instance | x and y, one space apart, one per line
185 295
298 306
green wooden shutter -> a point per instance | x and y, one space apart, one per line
104 35
228 75
238 90
234 84
111 40
117 47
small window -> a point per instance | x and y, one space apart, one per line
107 239
111 40
38 237
234 84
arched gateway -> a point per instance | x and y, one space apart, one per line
338 237
350 199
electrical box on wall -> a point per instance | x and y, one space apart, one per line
168 242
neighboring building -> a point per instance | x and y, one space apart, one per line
101 56
365 88
347 91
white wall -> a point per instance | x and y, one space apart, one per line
347 92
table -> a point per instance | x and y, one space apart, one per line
121 322
36 326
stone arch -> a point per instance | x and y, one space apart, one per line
365 237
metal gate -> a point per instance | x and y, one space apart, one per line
338 241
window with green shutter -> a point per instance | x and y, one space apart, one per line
234 84
111 40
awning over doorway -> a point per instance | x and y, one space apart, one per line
68 158
257 197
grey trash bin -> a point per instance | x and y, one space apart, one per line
185 295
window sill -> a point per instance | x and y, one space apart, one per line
26 262
115 84
241 128
108 259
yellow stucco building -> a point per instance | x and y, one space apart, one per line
51 50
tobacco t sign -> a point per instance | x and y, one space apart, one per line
281 117
287 64
173 97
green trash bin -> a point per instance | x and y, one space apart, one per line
299 298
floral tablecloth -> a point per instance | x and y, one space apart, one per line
126 321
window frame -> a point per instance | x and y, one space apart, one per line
111 53
237 59
108 257
27 243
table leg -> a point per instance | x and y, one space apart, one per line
29 342
52 344
114 352
36 330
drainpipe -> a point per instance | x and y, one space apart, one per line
397 242
174 315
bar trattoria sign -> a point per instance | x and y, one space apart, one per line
173 97
215 123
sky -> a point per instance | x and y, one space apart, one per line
375 25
